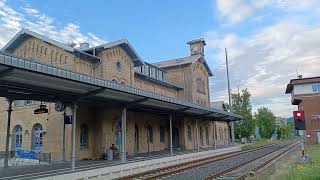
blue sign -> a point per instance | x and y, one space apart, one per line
68 119
25 154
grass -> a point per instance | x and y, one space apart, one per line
258 143
308 171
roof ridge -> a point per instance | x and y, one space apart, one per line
176 59
48 40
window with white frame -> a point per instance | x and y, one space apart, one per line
17 138
84 137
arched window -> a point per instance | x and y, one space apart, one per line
37 139
56 58
207 135
118 132
136 138
65 60
162 136
84 136
189 133
149 134
220 134
42 50
201 135
61 58
225 133
32 47
17 137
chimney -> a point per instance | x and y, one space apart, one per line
197 46
84 45
72 44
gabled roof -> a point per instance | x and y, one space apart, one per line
23 34
183 61
123 43
221 105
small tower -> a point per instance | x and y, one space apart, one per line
197 46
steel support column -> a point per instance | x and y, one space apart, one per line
170 124
6 155
197 136
123 135
74 128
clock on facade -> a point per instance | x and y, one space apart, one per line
58 106
195 48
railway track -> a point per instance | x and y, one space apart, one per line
169 171
254 168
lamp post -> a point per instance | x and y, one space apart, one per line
229 94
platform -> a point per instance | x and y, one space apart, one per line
110 169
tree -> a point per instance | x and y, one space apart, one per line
266 122
285 130
241 105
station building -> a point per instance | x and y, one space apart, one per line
183 81
305 94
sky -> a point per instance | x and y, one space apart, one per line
269 42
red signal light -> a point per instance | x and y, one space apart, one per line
298 115
299 120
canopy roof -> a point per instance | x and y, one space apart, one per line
25 79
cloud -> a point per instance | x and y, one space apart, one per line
236 11
13 19
265 61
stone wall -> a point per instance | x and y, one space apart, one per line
43 52
153 87
200 84
115 66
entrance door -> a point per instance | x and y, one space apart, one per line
136 138
175 137
318 133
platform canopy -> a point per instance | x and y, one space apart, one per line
23 79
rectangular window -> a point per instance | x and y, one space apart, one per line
157 74
28 102
149 71
18 103
316 88
162 136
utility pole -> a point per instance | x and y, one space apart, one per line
229 94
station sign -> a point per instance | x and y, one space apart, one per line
68 119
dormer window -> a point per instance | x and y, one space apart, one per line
149 71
